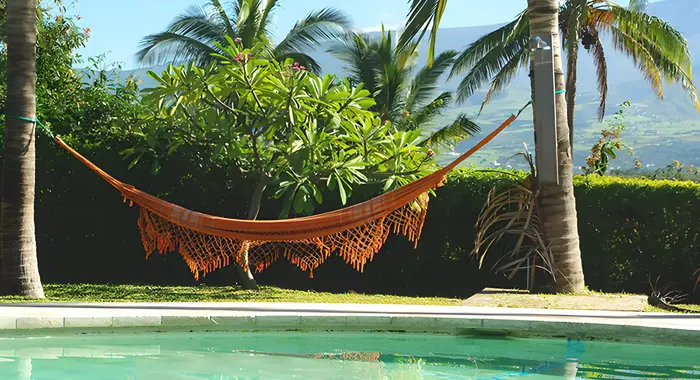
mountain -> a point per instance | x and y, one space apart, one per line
659 131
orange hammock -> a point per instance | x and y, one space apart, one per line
357 232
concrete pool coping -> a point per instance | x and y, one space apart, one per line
71 318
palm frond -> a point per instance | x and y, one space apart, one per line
654 31
248 21
510 216
424 116
601 73
424 83
505 75
421 14
507 55
394 70
517 29
460 129
173 48
322 26
190 37
361 61
266 17
665 47
640 56
219 9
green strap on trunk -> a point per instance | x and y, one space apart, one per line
34 121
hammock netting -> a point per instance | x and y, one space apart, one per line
355 233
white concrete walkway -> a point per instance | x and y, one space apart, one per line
74 317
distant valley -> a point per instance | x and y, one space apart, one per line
659 131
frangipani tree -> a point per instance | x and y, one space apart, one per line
291 131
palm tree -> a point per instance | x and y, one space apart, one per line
557 205
194 35
658 50
405 99
19 271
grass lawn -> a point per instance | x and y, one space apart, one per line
142 293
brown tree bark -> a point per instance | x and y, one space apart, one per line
244 273
557 202
19 270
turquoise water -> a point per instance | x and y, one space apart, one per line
269 355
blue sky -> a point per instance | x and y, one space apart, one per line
117 26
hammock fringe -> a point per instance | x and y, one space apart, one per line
205 253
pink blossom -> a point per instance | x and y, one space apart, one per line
431 153
239 56
238 40
302 67
296 64
296 68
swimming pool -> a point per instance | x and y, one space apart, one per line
307 355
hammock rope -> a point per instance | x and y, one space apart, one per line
208 242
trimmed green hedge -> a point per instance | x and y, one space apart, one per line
634 229
631 229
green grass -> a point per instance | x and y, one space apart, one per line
134 293
203 293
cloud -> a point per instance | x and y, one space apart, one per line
378 28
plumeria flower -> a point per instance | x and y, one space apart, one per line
302 67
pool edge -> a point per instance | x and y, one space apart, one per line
522 326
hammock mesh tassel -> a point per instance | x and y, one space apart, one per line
205 253
356 233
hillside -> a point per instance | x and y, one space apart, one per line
659 131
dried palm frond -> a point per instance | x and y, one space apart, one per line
514 213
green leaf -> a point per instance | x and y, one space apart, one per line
155 168
135 161
341 189
388 183
317 194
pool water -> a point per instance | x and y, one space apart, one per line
300 355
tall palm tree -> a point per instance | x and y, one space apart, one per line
557 205
407 100
19 271
659 51
194 35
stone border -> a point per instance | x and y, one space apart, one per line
669 329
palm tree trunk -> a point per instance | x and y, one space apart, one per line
571 66
557 202
246 276
19 270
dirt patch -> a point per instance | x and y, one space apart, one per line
592 301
